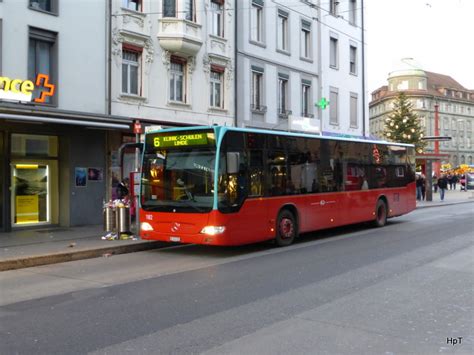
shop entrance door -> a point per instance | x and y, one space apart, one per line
33 193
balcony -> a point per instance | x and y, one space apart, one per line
217 46
179 36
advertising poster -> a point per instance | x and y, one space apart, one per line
81 177
30 183
95 174
27 209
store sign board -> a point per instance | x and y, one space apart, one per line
22 90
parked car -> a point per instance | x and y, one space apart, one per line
467 181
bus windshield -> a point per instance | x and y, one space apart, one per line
179 179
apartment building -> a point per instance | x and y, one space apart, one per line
300 66
172 62
54 121
425 90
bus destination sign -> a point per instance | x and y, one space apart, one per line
180 140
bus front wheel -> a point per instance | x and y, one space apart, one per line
380 213
286 228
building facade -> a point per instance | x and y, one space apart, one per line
54 122
300 67
70 90
343 68
172 62
425 90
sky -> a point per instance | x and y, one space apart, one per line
437 34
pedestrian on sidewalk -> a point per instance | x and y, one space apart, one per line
435 183
442 185
423 187
419 184
455 180
450 180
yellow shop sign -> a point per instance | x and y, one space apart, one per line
22 90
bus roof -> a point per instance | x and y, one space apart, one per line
280 133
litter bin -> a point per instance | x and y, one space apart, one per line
123 220
110 224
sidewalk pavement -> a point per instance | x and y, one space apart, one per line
27 248
451 197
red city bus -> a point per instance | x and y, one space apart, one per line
233 186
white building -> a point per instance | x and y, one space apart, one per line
54 122
291 57
343 67
172 62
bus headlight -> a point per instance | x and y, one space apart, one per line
145 226
213 230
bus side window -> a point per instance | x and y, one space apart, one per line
256 172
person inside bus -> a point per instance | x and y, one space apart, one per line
242 184
290 187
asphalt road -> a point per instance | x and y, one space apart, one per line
404 289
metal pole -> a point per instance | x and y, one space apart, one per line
136 196
429 180
436 133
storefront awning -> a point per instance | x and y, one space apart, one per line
68 121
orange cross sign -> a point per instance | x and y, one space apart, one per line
47 85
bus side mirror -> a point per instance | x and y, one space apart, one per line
233 162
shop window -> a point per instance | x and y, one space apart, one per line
29 145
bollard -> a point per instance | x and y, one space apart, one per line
123 220
109 219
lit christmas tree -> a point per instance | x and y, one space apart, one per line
403 125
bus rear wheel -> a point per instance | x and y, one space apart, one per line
380 213
286 228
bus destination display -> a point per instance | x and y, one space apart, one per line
180 140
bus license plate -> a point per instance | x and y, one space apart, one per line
175 239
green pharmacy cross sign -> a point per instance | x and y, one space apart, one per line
323 103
